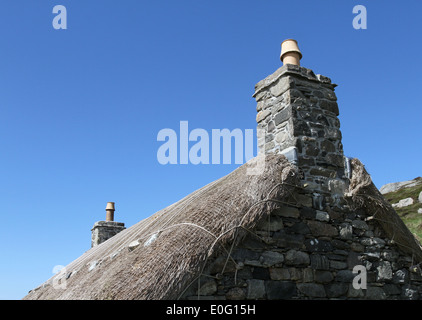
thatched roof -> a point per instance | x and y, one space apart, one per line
159 257
181 236
365 195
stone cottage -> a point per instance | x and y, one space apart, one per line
299 221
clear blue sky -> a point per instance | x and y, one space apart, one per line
80 108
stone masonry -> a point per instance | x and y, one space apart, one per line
104 230
297 111
303 253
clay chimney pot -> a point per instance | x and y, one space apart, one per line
110 211
110 206
290 53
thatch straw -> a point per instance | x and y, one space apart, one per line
186 234
363 194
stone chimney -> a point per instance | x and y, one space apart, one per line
297 117
104 230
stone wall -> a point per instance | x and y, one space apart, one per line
104 230
300 252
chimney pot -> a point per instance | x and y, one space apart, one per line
290 53
104 230
110 211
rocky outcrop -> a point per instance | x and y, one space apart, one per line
406 200
392 187
403 203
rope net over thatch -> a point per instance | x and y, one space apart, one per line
159 257
363 194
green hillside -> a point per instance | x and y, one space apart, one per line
409 214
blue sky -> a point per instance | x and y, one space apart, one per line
80 108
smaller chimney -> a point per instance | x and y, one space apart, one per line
110 211
104 230
290 53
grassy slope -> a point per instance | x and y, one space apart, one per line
409 214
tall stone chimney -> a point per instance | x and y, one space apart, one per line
297 117
104 230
